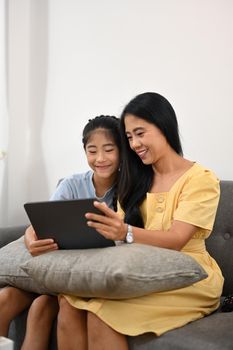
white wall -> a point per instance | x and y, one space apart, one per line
84 58
3 113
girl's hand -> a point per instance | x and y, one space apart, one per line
110 224
37 246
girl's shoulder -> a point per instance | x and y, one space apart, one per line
75 186
79 177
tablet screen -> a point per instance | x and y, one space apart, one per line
65 222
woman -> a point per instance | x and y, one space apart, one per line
101 141
166 201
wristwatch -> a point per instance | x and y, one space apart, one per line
129 235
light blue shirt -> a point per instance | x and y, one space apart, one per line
79 186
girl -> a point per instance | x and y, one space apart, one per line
166 201
101 141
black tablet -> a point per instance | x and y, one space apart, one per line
65 222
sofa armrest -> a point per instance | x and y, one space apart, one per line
9 234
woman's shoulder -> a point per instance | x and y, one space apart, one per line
201 178
201 171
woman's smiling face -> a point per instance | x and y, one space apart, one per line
145 139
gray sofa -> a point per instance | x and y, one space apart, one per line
214 332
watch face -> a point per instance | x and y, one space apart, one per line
129 237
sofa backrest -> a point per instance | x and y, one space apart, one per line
220 242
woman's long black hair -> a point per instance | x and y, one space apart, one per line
136 178
112 125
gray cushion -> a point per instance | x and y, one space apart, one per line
11 257
115 272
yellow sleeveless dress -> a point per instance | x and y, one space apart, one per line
192 199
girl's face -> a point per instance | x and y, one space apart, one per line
145 139
102 154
